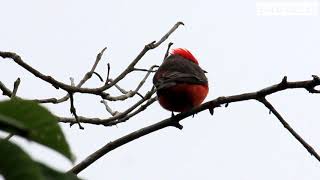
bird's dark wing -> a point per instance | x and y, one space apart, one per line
175 69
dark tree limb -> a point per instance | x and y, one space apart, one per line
130 115
283 85
97 91
168 49
5 90
289 128
128 94
114 119
86 77
210 105
146 100
15 87
73 111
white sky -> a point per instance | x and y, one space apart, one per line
241 51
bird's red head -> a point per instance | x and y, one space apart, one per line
184 53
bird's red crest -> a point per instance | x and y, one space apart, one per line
184 53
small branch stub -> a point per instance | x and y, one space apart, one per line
177 125
211 110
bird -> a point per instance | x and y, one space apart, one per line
181 84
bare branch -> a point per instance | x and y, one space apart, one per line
147 47
145 70
145 78
99 76
310 84
129 94
15 87
86 77
109 121
108 72
98 91
130 115
289 128
117 143
168 49
108 108
5 90
72 81
73 111
146 100
123 91
8 92
210 105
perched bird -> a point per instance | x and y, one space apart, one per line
180 82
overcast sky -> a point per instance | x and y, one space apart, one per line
241 51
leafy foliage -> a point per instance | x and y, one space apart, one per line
34 122
16 164
40 124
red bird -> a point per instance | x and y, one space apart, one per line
180 82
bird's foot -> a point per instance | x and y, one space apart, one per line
172 114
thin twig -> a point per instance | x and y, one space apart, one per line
72 81
98 91
99 76
87 76
283 85
73 111
130 115
15 87
117 143
168 49
144 70
109 121
123 91
289 128
130 93
145 78
146 48
108 72
174 121
108 108
5 91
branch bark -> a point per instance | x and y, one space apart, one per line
147 100
289 128
97 91
210 105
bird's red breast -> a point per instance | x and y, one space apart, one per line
181 84
183 97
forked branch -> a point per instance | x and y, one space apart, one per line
260 95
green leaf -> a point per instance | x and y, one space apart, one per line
16 164
11 125
42 125
52 174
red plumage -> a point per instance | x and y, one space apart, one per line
181 84
184 53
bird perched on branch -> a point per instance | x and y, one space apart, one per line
180 82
